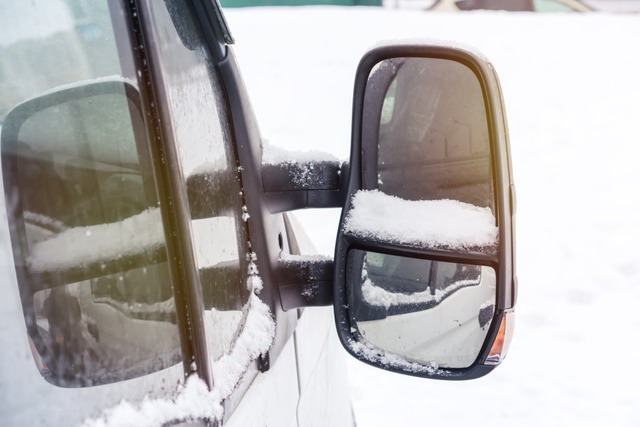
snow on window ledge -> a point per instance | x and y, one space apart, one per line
424 223
193 400
302 259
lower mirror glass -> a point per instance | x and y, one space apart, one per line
424 311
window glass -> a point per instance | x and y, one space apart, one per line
201 130
84 214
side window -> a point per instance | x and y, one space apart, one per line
201 130
86 229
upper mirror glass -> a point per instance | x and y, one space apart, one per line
89 242
428 116
433 133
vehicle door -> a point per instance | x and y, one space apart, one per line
128 221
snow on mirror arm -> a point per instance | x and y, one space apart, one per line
424 251
87 236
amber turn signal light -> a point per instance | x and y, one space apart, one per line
502 342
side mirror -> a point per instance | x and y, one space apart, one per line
424 267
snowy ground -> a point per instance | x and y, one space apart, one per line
572 91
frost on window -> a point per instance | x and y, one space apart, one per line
200 127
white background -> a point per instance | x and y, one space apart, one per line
572 89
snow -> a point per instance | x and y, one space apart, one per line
141 232
289 258
572 93
423 223
274 155
255 339
378 296
376 355
167 307
194 400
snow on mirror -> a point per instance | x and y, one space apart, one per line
443 309
433 143
87 238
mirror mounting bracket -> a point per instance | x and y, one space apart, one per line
305 282
316 184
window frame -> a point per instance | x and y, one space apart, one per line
213 40
171 189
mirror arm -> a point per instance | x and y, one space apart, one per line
290 186
305 282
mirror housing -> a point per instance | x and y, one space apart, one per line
430 203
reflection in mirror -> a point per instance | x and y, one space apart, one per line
88 238
432 132
429 312
107 329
